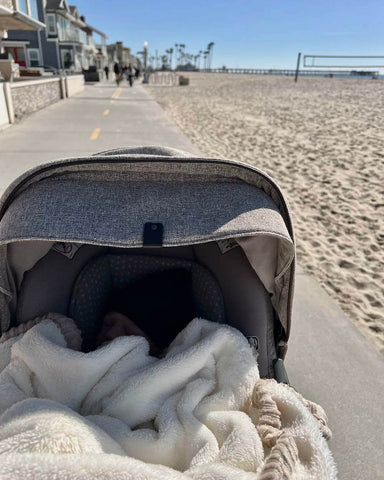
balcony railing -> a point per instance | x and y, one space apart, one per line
68 36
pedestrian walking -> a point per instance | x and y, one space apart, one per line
130 73
118 70
106 70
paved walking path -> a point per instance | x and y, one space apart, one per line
99 118
328 360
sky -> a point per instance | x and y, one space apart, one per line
246 33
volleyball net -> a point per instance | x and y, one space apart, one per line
345 64
342 61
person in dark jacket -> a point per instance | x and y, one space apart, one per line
118 71
106 70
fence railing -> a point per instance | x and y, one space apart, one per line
276 71
163 78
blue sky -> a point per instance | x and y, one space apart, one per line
246 33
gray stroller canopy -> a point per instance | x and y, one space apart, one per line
147 197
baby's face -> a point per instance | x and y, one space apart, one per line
117 325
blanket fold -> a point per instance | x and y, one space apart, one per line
200 412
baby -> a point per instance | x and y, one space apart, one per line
161 305
115 325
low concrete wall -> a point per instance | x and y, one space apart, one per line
164 78
74 84
4 119
33 95
18 99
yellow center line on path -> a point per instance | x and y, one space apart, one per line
117 93
95 134
106 112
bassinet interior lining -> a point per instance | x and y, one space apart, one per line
247 303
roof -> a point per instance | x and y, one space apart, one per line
74 11
54 4
72 14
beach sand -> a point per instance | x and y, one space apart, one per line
322 140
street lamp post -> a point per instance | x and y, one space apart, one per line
145 55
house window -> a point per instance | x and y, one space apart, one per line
33 9
51 24
28 7
82 36
23 7
73 33
63 29
34 57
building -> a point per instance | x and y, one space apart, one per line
120 54
67 42
22 15
100 42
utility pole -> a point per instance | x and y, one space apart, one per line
145 55
298 66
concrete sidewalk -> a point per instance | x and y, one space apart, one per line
328 360
124 117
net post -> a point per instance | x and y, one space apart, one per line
298 66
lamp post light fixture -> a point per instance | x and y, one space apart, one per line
145 55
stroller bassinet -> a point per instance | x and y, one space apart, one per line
143 210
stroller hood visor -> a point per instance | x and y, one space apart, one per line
195 201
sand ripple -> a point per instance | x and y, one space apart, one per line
322 140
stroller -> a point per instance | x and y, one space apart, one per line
72 230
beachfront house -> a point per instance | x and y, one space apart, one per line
67 42
100 42
22 15
120 54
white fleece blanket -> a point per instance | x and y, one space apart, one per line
200 412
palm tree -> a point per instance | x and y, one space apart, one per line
182 54
200 55
210 53
169 60
206 53
164 60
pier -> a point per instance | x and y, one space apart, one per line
288 72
